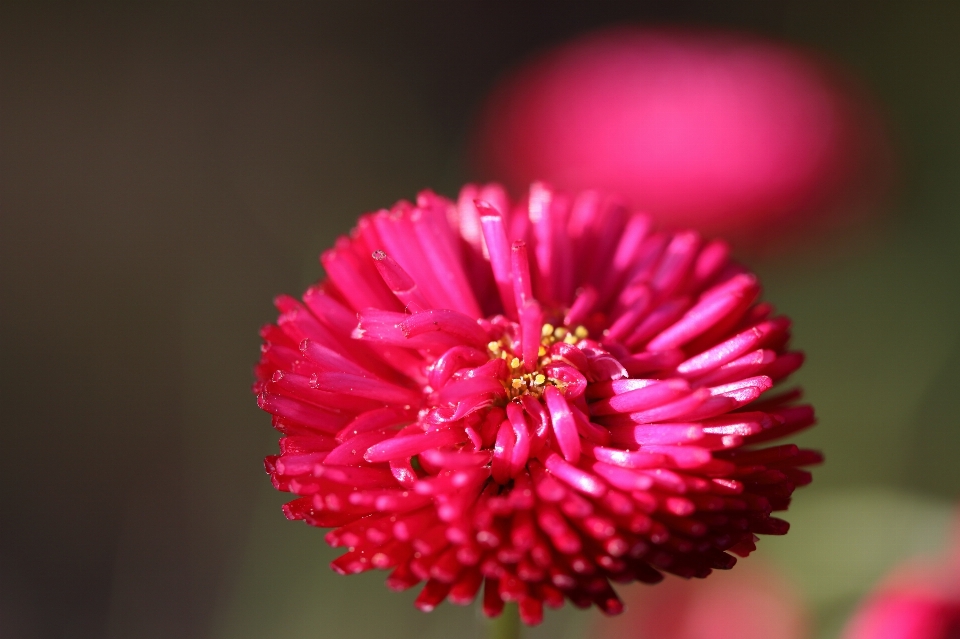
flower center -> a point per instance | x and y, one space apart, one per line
534 382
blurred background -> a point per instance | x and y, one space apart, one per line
165 170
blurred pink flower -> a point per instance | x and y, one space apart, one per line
751 602
918 600
545 396
722 132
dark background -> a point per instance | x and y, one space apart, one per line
165 170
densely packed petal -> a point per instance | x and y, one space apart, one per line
537 397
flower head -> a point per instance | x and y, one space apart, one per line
775 140
543 397
752 602
918 600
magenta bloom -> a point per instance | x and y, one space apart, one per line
543 397
899 612
773 140
751 602
917 601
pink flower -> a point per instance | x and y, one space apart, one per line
773 139
751 602
545 397
918 600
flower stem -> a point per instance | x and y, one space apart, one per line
507 625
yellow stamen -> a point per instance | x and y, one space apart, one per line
581 332
515 362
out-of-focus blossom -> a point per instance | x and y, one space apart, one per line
721 132
751 602
546 396
918 600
